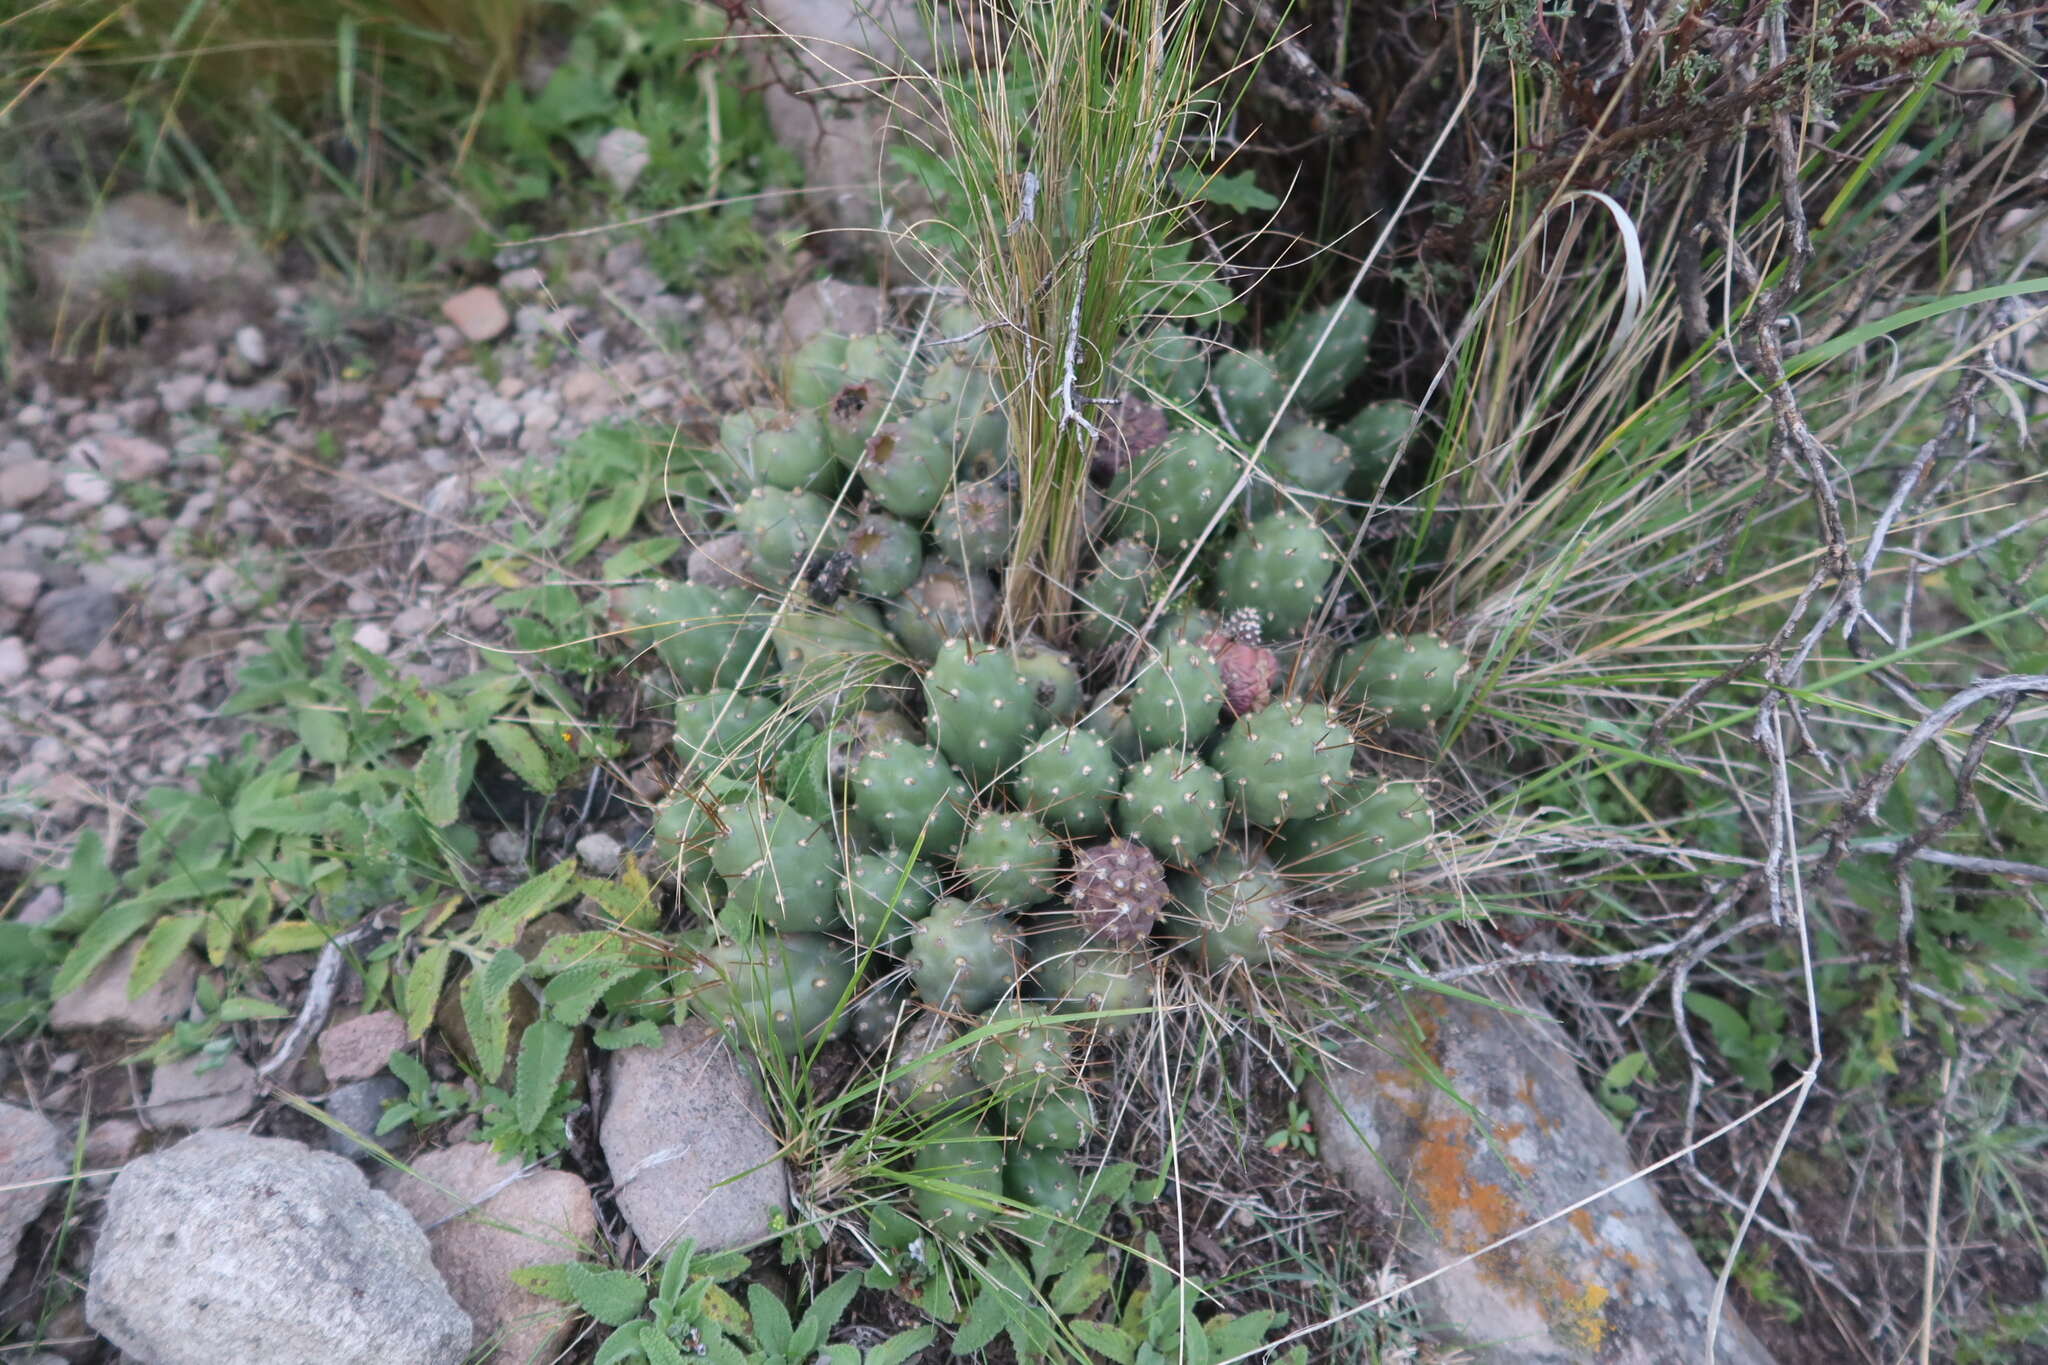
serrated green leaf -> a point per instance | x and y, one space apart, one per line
442 776
660 1350
613 1297
501 920
823 1315
488 1012
573 994
623 1344
639 1033
241 1009
1076 1290
115 926
564 952
1624 1072
720 1266
543 1054
636 559
517 749
987 1316
548 1281
840 1353
167 941
423 988
1105 1340
771 1319
632 906
323 732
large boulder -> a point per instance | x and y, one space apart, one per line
485 1216
1469 1124
228 1248
31 1159
688 1143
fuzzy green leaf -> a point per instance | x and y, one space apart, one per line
573 994
566 952
548 1281
167 941
423 988
290 936
659 1348
1105 1340
442 776
1080 1286
639 1033
323 732
823 1315
114 927
803 778
613 1297
1239 192
900 1348
543 1054
771 1320
501 920
986 1317
487 1011
241 1009
516 748
636 559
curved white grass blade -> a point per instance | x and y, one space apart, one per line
1635 282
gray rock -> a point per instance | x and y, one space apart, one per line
130 458
253 347
601 853
360 1105
19 588
200 1092
13 659
23 481
235 1248
31 1153
74 620
485 1219
88 487
831 306
621 156
507 847
1492 1135
144 254
356 1049
181 393
102 1003
478 313
687 1139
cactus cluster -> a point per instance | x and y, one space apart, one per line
898 815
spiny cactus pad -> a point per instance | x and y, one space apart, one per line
944 604
1030 1058
963 957
1253 390
984 710
1167 495
785 528
1284 761
1280 566
972 525
1069 778
788 989
1115 595
1057 1119
1177 701
1045 1181
966 1165
1231 910
1376 836
1327 365
704 636
883 894
1173 804
912 797
1077 976
1055 682
1412 678
1118 890
908 467
887 555
778 865
1010 860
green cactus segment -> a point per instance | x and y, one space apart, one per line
814 371
911 797
1010 860
962 397
944 604
1078 976
685 832
810 644
1055 682
1308 458
1278 566
1328 371
704 636
1173 805
907 467
851 419
929 1075
1377 437
1284 761
723 732
1109 715
876 358
1232 910
983 708
1058 1119
1177 701
788 988
1187 624
1372 839
784 527
1027 1061
883 894
1044 1181
1069 778
789 450
778 865
1175 365
887 555
1412 678
967 1165
962 957
1167 496
1115 595
973 523
1252 389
